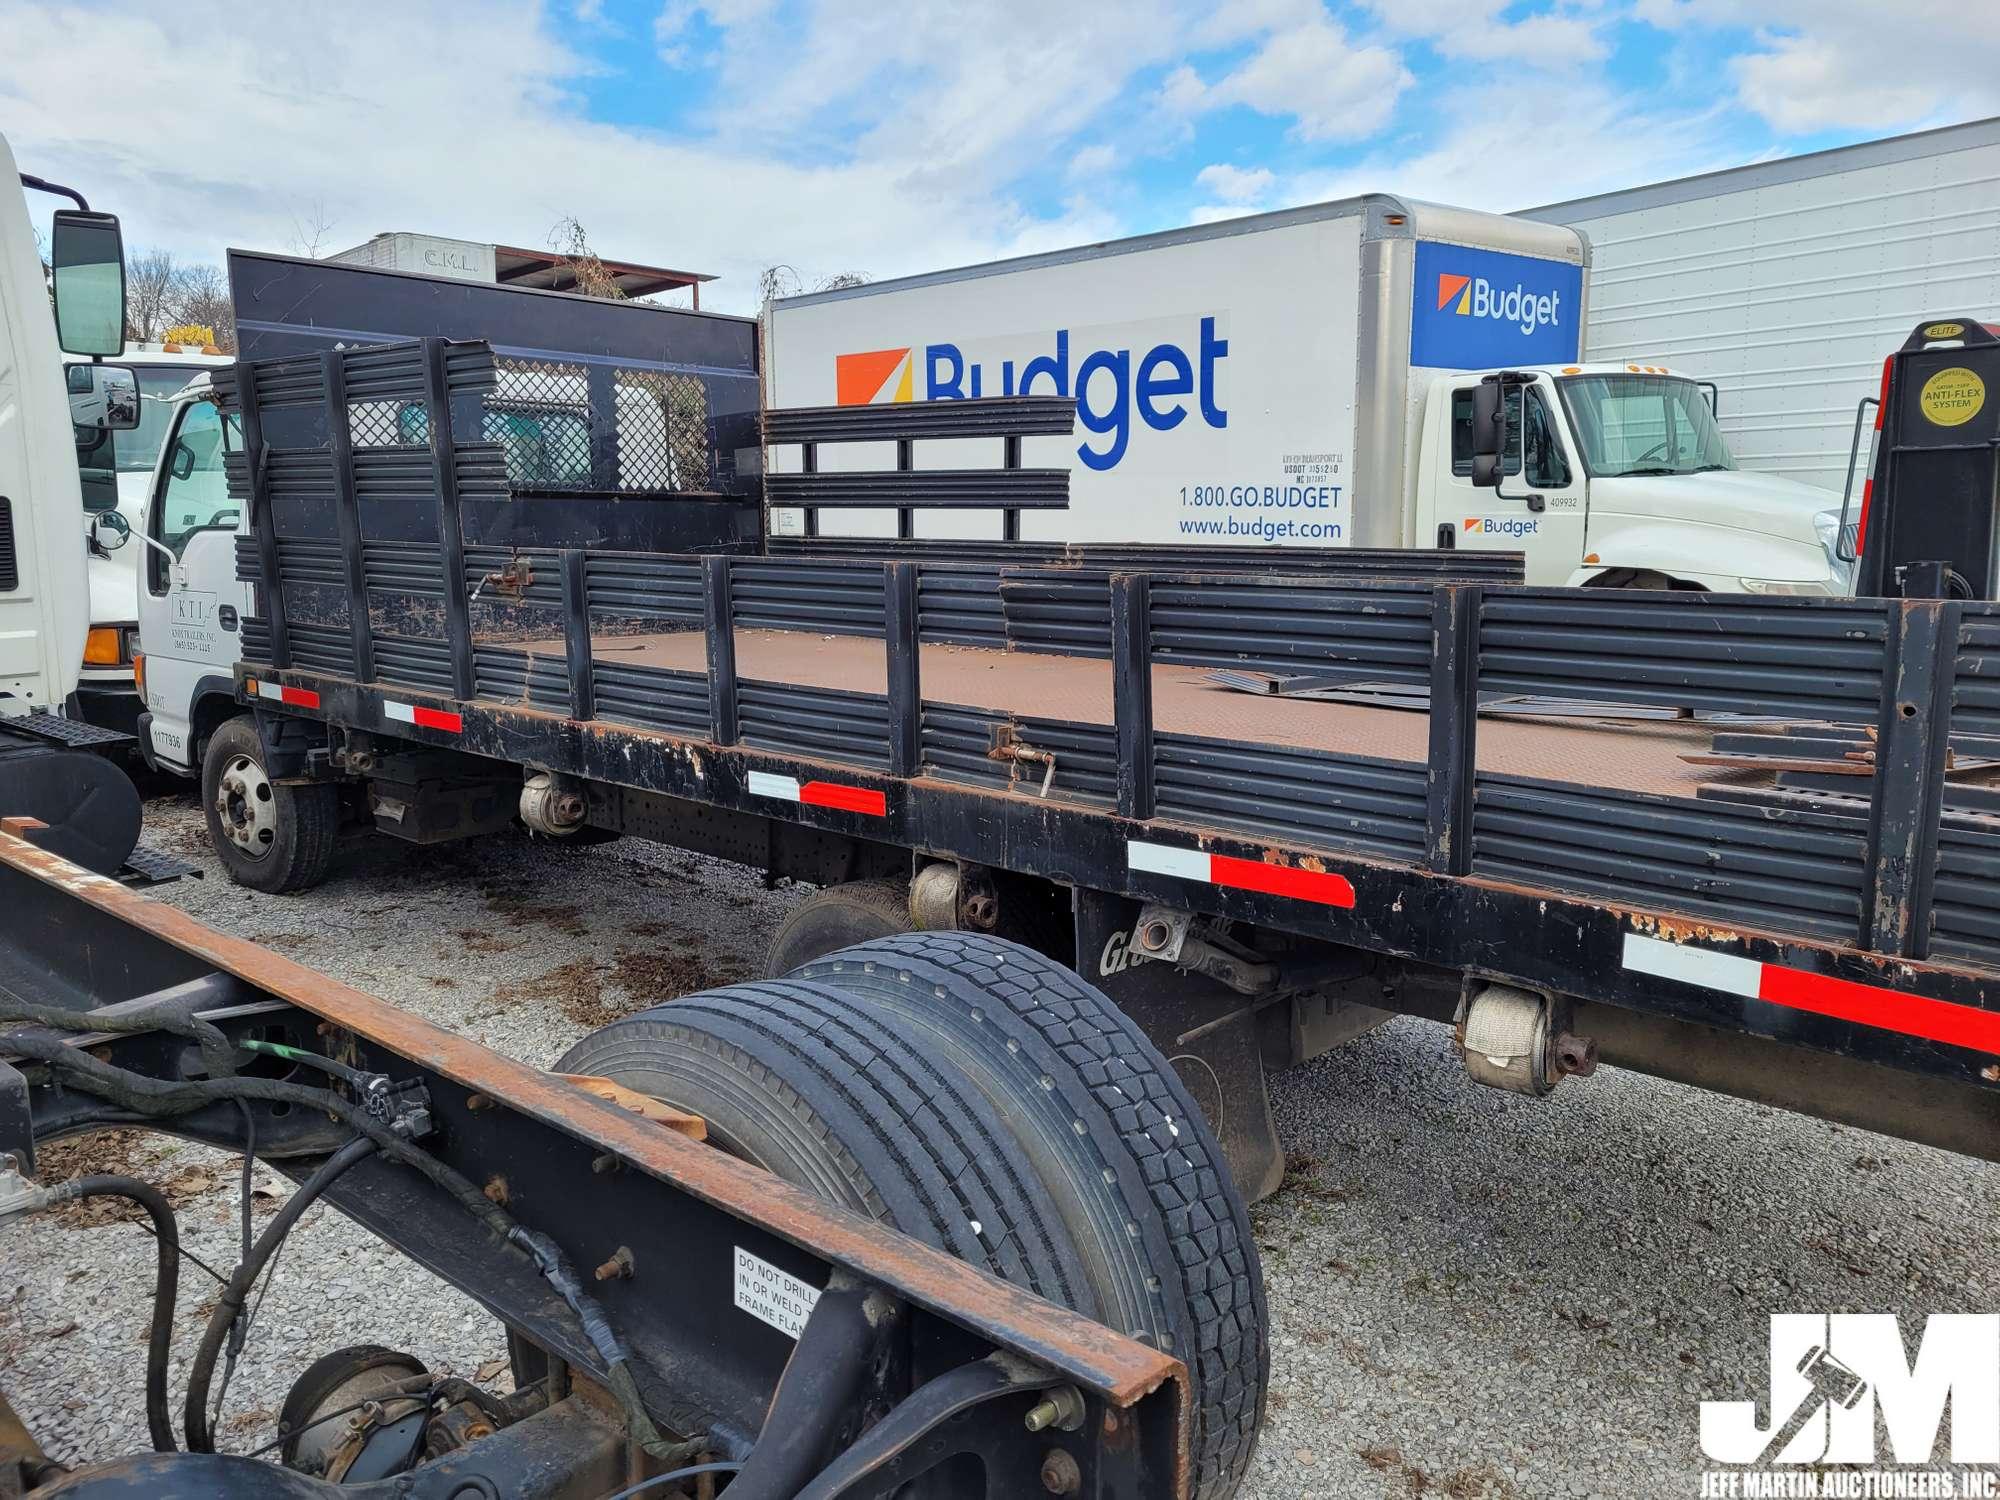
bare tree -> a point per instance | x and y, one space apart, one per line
785 281
588 273
778 281
201 297
311 233
149 293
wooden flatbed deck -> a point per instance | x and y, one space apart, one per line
1632 755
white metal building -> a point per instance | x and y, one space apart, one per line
1788 282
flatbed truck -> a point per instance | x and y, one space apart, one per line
1511 810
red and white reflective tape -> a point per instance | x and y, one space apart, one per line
1819 994
832 794
278 693
1320 886
423 718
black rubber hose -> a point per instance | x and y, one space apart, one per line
158 1099
155 1098
166 1284
229 1304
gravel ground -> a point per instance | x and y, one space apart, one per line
1471 1294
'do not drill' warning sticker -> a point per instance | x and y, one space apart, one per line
1952 397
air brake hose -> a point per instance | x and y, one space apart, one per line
166 1283
228 1306
157 1099
560 1274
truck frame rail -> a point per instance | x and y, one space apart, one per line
588 1180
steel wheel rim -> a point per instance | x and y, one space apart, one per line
247 807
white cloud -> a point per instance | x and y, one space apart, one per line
470 126
1215 213
1477 30
1496 152
1235 184
1092 161
1850 64
1305 68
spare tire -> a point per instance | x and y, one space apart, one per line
1129 1163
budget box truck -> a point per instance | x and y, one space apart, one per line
1305 378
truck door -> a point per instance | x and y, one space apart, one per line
1538 508
191 610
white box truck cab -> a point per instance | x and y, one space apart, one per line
53 768
1306 378
116 471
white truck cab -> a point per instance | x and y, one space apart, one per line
44 597
54 769
190 603
1620 478
116 471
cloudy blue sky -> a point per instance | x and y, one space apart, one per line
890 136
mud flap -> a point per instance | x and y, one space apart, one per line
1204 1028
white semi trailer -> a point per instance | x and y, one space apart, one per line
1788 281
1306 378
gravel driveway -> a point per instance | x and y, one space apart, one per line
1472 1294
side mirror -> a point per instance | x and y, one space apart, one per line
1488 433
87 255
109 530
103 398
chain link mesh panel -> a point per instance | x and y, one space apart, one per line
662 431
386 424
540 414
550 419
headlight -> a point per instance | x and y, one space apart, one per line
1775 586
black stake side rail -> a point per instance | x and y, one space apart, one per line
591 1176
1800 986
1010 489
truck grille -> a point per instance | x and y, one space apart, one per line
10 574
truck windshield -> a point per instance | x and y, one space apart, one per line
1643 424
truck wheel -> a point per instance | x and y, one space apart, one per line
1136 1218
1129 1163
815 1086
269 837
838 916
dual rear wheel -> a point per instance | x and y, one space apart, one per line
981 1097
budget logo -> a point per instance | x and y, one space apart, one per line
878 375
1501 526
1474 309
1121 386
1518 304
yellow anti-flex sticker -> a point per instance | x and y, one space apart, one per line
1952 397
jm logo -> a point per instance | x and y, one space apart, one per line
1833 1376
